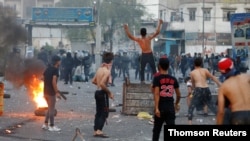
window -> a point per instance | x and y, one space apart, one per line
192 14
207 14
173 15
247 10
226 14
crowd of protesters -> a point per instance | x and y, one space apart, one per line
74 66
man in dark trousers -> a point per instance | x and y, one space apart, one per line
145 44
164 87
102 94
51 91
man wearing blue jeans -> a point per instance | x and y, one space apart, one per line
51 91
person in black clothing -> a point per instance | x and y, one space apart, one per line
51 91
42 55
87 61
137 66
164 87
68 65
125 65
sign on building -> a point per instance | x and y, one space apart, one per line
62 14
240 27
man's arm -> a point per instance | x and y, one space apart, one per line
103 83
126 29
192 80
54 84
221 105
213 78
178 96
158 29
156 99
94 80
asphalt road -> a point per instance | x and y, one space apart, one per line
19 123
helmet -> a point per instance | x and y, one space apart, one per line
225 65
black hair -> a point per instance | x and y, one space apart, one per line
55 59
198 62
107 57
143 31
163 63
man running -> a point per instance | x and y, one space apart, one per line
145 44
201 93
233 93
102 94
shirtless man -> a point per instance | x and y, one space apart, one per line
145 44
102 94
201 93
235 89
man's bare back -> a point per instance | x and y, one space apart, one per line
144 41
237 90
199 77
145 44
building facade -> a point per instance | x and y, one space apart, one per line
190 32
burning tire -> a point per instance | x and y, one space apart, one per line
42 111
112 110
6 96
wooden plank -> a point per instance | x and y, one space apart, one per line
137 98
140 88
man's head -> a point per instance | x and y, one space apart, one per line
163 63
143 32
56 60
107 57
198 62
225 65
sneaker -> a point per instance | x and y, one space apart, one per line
45 127
54 128
151 121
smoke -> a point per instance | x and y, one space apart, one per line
21 72
18 71
11 33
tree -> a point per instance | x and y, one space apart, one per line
111 14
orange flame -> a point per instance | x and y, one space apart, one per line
37 91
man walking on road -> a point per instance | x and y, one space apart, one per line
145 44
102 94
233 94
201 93
51 91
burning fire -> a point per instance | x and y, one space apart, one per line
37 92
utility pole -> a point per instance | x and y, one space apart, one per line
98 58
203 28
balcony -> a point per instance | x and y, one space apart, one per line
176 25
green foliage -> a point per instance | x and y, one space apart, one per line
117 12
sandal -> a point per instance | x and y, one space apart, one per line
101 135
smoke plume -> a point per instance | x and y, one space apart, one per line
17 70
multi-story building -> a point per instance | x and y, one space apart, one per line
187 26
